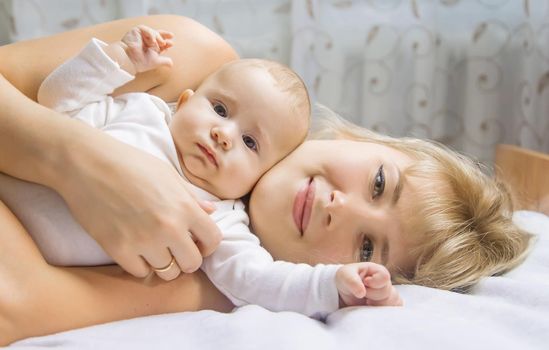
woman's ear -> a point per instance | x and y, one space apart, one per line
184 97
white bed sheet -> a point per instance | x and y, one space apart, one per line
506 312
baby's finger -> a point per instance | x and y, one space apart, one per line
167 44
378 279
149 37
353 285
159 39
379 293
165 34
393 300
165 61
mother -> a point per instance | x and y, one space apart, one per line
429 215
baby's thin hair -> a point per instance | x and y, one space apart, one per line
462 216
288 81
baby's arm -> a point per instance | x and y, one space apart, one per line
366 283
141 49
100 68
246 273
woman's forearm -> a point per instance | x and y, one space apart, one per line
79 297
31 137
131 203
38 299
196 53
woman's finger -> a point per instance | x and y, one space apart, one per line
133 264
169 271
186 253
205 233
169 274
162 263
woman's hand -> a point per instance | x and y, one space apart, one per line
136 206
85 165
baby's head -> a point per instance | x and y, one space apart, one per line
241 120
461 218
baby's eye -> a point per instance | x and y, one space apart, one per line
366 250
220 110
379 183
249 142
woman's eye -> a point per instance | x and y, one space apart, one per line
220 110
249 142
366 250
379 183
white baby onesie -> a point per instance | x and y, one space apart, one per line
240 268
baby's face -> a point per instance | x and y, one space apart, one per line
234 128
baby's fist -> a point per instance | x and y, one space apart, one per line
366 283
144 47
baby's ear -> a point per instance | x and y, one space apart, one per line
184 97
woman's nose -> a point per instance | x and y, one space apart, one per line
336 209
223 136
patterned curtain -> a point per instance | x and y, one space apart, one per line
468 73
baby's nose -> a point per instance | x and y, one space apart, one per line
223 137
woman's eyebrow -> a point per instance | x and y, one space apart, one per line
398 187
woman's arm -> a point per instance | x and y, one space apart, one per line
133 204
197 52
38 299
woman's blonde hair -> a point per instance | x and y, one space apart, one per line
463 215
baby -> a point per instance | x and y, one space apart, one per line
239 122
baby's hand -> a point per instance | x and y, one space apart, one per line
145 45
366 283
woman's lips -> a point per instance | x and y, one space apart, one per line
208 154
303 204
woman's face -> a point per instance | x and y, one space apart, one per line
336 201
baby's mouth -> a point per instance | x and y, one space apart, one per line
210 155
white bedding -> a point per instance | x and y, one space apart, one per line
507 312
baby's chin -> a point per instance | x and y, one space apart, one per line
236 191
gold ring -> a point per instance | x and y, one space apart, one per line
165 268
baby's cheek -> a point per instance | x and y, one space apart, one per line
241 180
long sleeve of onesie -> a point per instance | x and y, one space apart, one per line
246 273
84 79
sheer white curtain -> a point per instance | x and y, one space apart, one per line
254 28
469 73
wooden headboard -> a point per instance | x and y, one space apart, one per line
527 174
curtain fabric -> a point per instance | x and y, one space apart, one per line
468 73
